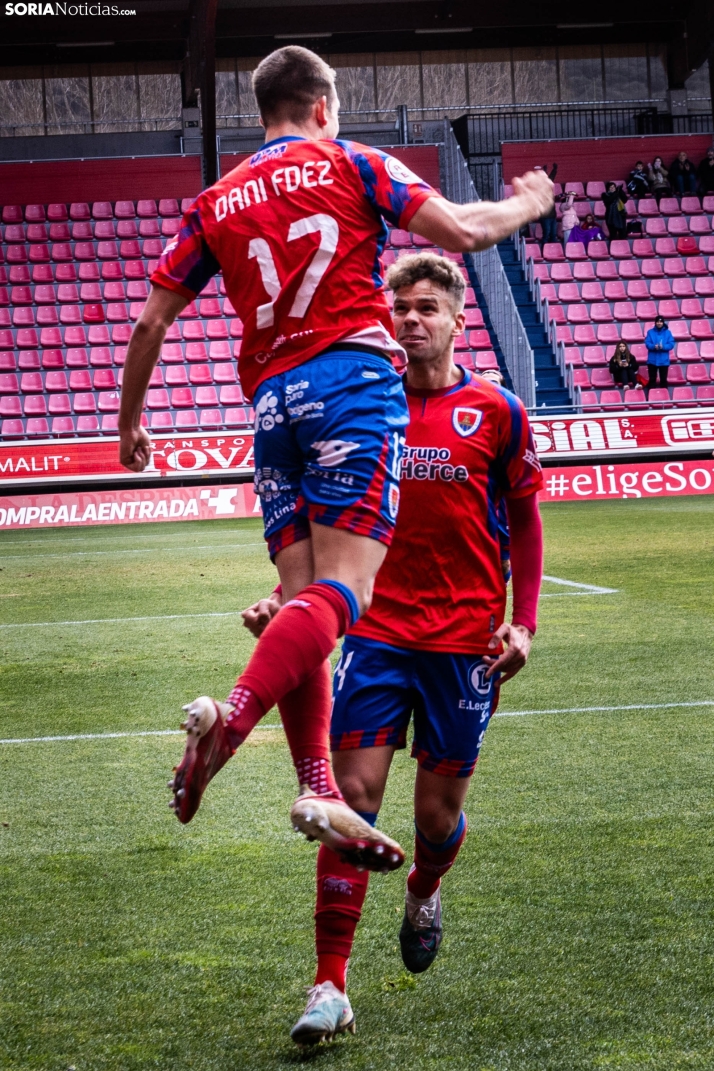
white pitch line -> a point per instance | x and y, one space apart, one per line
499 714
106 736
586 588
117 620
605 710
130 550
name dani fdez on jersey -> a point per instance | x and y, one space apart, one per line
255 191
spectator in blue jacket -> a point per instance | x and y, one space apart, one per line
660 343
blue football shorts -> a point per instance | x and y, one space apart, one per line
329 437
378 687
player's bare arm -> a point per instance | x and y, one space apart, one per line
481 224
527 562
159 313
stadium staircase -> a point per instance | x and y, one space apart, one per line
551 391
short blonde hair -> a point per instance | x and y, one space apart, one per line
441 271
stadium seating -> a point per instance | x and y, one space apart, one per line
590 299
73 281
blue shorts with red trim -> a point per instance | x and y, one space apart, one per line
378 687
329 437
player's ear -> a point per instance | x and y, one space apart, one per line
459 323
320 111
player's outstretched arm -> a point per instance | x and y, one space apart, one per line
471 227
159 313
526 531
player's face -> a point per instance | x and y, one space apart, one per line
425 321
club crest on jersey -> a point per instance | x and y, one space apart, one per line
466 421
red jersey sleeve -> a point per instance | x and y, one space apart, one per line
518 467
186 263
391 188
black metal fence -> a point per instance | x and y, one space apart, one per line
480 134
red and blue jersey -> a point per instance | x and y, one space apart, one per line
298 231
441 587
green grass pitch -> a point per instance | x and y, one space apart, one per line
578 919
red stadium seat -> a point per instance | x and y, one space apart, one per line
110 422
698 373
611 399
168 207
182 398
127 229
660 288
479 340
575 188
29 361
79 211
59 232
60 405
36 232
157 399
614 291
37 426
104 379
700 225
584 335
237 417
589 401
686 351
651 269
45 295
35 405
705 395
600 377
210 418
575 251
108 401
9 383
12 429
170 227
220 351
70 314
553 251
225 373
100 357
6 340
133 269
665 247
597 251
121 333
26 338
696 266
65 273
149 228
206 397
124 210
176 376
75 336
118 313
153 247
84 403
200 375
161 421
12 214
658 396
619 248
656 227
146 209
87 425
217 330
102 210
63 425
31 382
56 381
57 213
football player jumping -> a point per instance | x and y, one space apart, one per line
298 230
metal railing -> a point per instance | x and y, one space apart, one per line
506 320
480 132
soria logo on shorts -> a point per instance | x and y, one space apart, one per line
332 452
466 421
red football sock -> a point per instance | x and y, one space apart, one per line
341 890
432 861
288 666
296 642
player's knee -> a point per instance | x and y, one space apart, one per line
358 793
435 820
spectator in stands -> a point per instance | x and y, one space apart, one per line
659 343
623 366
614 199
705 174
637 183
658 178
549 222
682 175
587 231
570 217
